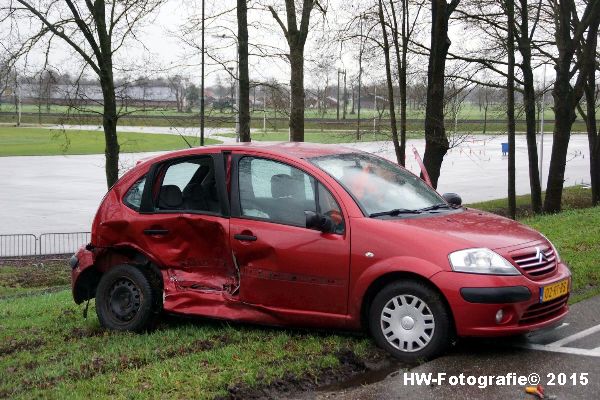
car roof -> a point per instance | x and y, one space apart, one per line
300 150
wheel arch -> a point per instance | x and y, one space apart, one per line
392 276
107 258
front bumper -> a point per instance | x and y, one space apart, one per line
475 300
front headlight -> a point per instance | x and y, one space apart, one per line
481 261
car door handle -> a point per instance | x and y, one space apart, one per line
156 231
245 238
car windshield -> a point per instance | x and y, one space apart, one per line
379 186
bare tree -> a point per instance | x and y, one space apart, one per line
492 19
436 142
575 52
390 84
401 38
295 36
509 7
524 38
178 85
589 116
244 78
95 31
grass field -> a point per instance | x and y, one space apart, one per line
467 111
46 142
47 350
317 136
228 121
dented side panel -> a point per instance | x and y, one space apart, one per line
292 268
195 249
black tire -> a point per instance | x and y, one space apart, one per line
396 330
127 299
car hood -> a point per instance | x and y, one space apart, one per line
475 228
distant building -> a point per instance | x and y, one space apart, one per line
132 95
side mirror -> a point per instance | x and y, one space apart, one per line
319 222
452 198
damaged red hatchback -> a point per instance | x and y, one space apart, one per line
311 235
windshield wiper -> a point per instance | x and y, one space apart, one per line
435 207
394 212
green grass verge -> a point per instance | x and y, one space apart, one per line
575 234
45 142
574 197
48 351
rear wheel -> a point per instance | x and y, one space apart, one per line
126 299
410 320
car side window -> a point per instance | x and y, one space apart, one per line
133 197
328 206
275 191
189 185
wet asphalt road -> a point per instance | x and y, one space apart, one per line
62 193
502 357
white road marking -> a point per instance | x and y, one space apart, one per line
558 346
566 350
563 325
575 336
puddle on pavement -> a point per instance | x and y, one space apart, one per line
375 374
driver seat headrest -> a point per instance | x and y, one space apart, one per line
285 186
170 197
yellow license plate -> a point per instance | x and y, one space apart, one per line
554 290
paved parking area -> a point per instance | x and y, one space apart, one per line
566 359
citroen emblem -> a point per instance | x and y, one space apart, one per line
539 254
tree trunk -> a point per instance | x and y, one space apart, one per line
109 122
564 116
436 142
403 101
244 83
529 104
485 111
594 144
591 125
401 63
510 105
390 87
297 87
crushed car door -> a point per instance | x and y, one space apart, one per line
185 225
283 264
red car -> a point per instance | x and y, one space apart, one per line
296 234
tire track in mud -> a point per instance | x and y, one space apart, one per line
99 365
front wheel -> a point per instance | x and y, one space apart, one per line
126 299
410 321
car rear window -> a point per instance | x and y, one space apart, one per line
133 197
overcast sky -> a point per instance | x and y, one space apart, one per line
160 49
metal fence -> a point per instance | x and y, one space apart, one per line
20 245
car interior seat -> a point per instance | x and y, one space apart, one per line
170 198
289 196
